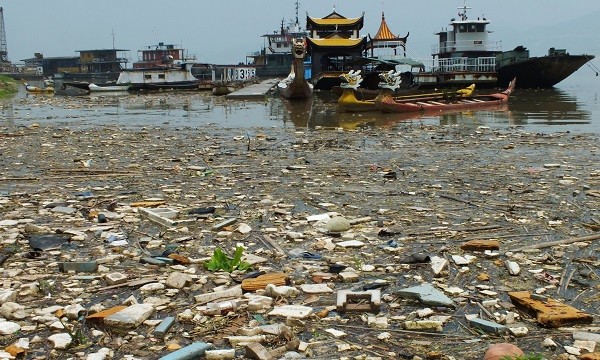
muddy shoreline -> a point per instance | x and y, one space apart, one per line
426 189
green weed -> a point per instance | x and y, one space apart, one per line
220 261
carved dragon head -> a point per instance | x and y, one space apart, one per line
299 49
351 80
390 80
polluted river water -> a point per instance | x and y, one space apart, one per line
571 107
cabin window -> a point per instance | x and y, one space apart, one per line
462 28
480 27
161 76
472 28
147 77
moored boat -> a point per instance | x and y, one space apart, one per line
295 85
48 89
171 76
447 102
275 58
465 54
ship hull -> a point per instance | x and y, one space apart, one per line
541 72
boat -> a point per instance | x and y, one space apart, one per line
464 54
459 101
46 89
538 72
161 67
275 58
170 76
107 87
348 101
295 86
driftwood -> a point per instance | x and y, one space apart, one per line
401 231
558 242
272 244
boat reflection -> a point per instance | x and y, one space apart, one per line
547 107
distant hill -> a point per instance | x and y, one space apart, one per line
578 36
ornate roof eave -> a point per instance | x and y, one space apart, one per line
336 43
373 41
327 22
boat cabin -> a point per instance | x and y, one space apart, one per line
463 55
161 55
275 58
334 42
465 38
102 60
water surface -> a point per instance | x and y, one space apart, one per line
571 106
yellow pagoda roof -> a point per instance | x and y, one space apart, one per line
336 42
384 32
335 21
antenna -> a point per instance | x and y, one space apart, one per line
112 32
297 10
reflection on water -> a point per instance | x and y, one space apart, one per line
547 106
533 110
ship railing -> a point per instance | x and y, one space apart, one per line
464 64
465 45
482 64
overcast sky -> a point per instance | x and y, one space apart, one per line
225 31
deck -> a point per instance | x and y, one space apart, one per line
254 91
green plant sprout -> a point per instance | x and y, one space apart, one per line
220 261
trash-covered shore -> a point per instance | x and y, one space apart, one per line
413 242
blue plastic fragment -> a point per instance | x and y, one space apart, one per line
488 326
190 352
164 326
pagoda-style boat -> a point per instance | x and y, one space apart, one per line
448 102
333 43
295 85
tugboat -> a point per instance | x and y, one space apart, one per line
465 55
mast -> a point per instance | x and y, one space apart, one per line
3 47
464 8
297 10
